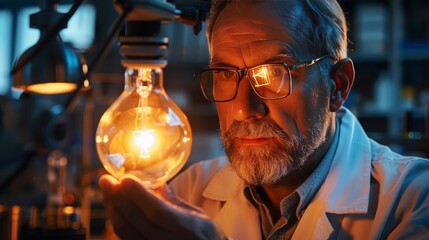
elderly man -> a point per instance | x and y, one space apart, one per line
298 164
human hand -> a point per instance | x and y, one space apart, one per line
138 212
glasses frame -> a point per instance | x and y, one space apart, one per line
245 71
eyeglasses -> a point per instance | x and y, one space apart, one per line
269 81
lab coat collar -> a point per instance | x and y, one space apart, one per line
224 185
236 213
346 188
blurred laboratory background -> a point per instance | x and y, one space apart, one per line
389 44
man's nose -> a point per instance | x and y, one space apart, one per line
247 104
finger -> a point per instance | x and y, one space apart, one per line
168 194
122 225
107 184
158 211
129 221
113 202
135 220
107 179
163 220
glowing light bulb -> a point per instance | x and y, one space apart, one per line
144 132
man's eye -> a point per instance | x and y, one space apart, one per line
227 74
276 71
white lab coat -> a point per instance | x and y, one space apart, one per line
370 192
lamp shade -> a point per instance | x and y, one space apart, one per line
57 69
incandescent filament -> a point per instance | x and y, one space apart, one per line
144 135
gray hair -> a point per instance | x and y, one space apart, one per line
328 25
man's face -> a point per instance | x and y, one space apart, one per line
266 140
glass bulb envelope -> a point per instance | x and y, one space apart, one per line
144 133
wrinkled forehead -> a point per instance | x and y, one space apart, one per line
241 22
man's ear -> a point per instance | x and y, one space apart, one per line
343 75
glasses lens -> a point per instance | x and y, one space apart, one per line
218 84
270 81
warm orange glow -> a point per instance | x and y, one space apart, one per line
261 77
69 210
14 225
143 132
51 88
86 83
144 139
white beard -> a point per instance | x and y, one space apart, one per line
268 164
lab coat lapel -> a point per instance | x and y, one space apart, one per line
237 217
314 224
346 188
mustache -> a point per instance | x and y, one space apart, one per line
263 128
